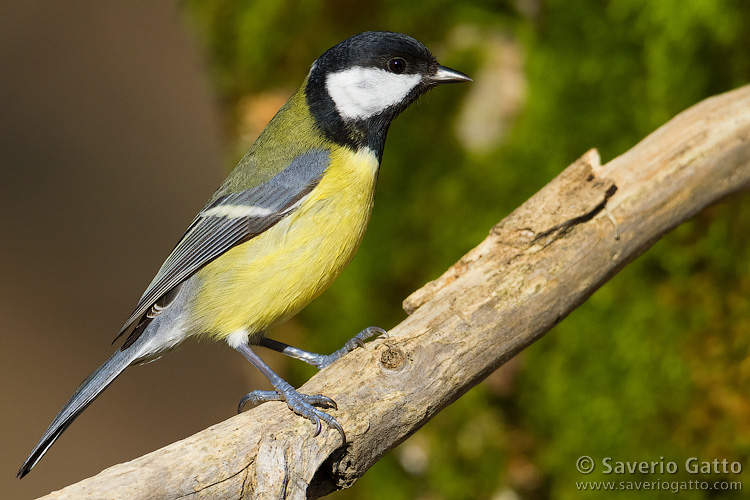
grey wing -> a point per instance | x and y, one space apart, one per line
233 219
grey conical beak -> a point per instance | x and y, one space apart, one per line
447 75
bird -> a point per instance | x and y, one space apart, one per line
281 227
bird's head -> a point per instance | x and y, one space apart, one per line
356 88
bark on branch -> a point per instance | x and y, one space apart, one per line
534 268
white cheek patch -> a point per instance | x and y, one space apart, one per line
360 93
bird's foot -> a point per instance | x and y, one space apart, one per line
301 404
357 341
320 361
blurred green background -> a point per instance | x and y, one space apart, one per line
653 367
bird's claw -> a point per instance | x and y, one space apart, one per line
351 344
304 404
301 404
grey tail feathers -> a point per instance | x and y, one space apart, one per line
84 395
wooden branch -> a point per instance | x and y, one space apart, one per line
534 268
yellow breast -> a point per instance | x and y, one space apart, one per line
274 275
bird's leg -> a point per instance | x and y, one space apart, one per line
301 404
320 361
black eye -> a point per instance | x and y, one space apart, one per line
397 65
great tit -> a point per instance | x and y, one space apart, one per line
281 227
